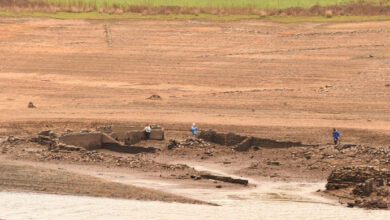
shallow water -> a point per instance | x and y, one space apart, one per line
269 201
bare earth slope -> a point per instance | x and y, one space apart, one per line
290 82
238 73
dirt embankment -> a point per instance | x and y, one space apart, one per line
360 9
29 178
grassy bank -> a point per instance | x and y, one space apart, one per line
278 10
105 16
227 4
260 4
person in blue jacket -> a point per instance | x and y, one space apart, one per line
335 135
194 129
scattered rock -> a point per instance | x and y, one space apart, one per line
31 105
172 144
190 142
350 204
273 163
154 97
307 155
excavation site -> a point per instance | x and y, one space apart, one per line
194 118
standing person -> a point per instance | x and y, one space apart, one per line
147 130
194 129
335 135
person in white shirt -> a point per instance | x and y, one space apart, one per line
147 131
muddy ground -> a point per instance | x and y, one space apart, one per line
287 82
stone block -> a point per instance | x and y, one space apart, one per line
88 141
157 134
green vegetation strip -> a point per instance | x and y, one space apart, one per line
254 4
105 16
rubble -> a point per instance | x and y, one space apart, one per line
351 175
47 137
368 186
189 142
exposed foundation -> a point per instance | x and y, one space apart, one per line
244 143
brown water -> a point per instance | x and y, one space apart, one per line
267 201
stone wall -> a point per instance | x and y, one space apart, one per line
364 186
133 137
352 175
89 141
243 143
131 134
97 140
157 134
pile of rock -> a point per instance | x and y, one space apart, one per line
48 138
362 149
189 142
370 186
351 175
373 193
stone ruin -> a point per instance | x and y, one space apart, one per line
130 135
115 138
243 143
369 186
